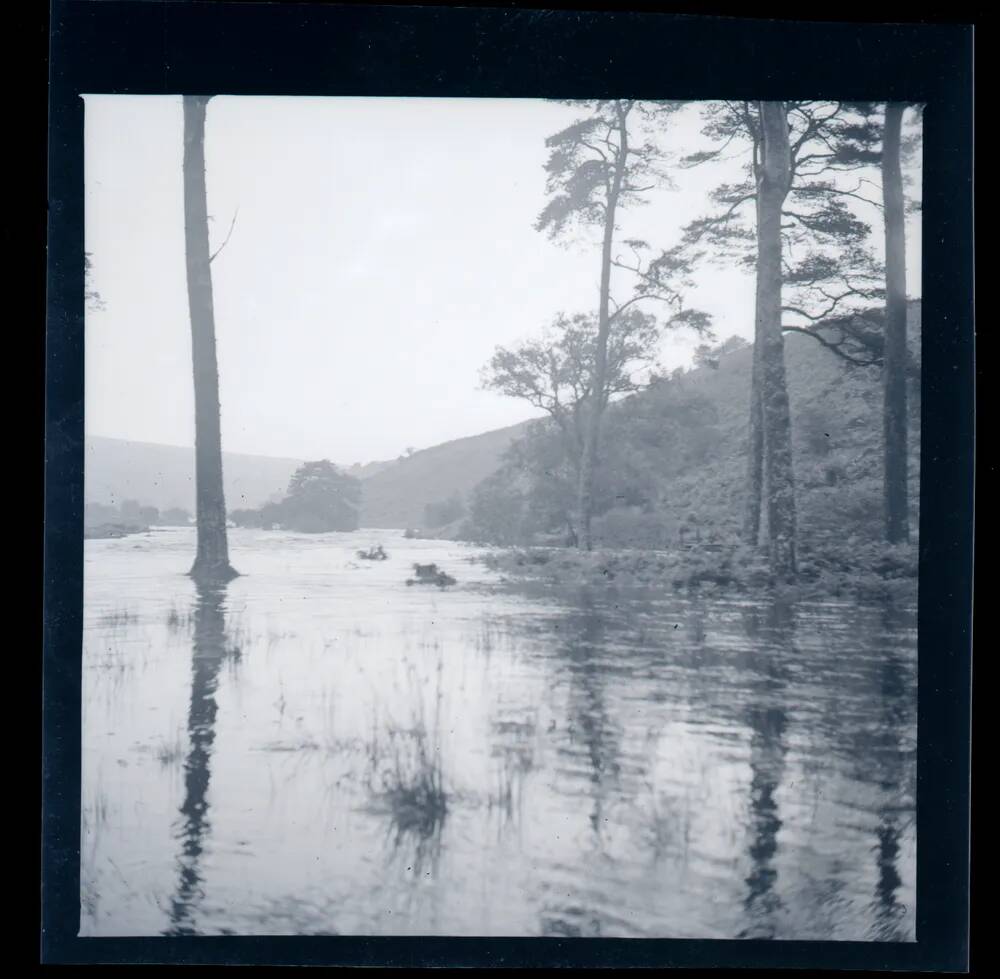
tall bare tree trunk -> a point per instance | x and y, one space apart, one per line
772 188
755 456
755 435
596 402
212 560
895 497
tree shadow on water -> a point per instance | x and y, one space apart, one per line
893 770
590 723
209 651
766 716
593 736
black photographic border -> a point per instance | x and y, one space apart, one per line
130 46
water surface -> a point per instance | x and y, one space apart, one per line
613 764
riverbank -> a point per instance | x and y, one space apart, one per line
847 569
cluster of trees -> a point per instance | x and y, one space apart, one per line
132 513
673 460
645 443
811 170
320 498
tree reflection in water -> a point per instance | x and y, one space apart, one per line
589 721
582 652
208 654
767 718
891 772
686 767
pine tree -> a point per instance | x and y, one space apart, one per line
212 560
596 168
826 273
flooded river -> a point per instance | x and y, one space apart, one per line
319 748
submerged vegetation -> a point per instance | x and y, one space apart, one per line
170 754
851 568
405 769
411 783
430 574
117 619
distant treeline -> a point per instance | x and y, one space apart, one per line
133 513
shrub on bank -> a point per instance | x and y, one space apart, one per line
628 527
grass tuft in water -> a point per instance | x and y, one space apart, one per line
117 618
409 780
178 621
170 754
406 774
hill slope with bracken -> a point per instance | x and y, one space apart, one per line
836 412
674 456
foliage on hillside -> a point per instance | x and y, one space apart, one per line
673 458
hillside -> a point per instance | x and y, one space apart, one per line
674 457
163 475
395 495
836 417
836 411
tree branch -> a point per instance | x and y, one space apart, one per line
232 225
836 346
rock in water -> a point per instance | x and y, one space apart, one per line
430 574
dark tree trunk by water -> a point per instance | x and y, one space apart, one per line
772 188
755 429
598 394
755 459
896 504
212 561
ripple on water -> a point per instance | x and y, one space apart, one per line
634 766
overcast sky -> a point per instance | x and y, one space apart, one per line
382 249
